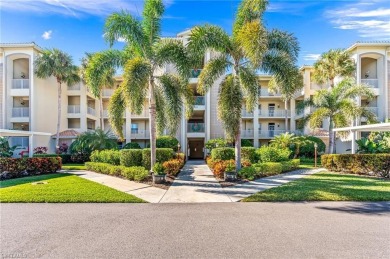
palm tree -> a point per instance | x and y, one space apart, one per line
249 48
54 62
106 80
89 141
335 62
338 105
142 59
289 140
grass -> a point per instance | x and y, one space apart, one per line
59 188
326 186
73 167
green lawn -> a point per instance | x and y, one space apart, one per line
60 188
73 167
326 186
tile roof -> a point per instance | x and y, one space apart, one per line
67 134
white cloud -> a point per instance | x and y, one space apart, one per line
47 35
366 18
311 57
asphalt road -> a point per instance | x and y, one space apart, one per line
223 230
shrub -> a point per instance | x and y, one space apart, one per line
180 156
378 164
162 155
63 148
158 169
249 153
132 145
222 153
79 157
66 158
173 166
106 156
5 149
220 167
167 142
19 167
131 157
248 173
137 173
40 150
268 168
290 165
246 143
214 143
245 163
273 154
307 149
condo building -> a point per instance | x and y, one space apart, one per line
28 105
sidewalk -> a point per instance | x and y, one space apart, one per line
146 192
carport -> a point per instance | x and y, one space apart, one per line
363 128
22 133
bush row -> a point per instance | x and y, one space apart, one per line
367 164
106 156
136 173
19 167
66 158
267 169
173 166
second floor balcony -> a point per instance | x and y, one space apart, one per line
91 111
195 127
18 112
270 133
140 134
248 133
75 87
20 83
265 93
372 83
266 113
107 92
245 113
199 102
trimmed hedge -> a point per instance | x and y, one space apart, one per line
248 173
273 154
20 167
222 153
167 142
173 166
132 145
136 173
131 157
66 158
366 164
268 168
106 156
162 155
249 153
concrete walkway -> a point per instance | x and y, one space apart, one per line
195 183
143 191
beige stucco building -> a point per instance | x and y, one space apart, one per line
30 104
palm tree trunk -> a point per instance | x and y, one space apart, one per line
152 121
331 137
238 149
58 117
101 112
285 115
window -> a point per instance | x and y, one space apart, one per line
134 128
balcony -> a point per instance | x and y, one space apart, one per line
372 83
143 114
140 134
266 93
247 133
18 112
73 109
374 110
107 92
245 113
270 133
20 83
195 127
105 113
91 111
298 113
76 87
199 102
273 113
314 86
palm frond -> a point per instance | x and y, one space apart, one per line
318 116
248 11
284 42
214 69
116 111
250 85
151 23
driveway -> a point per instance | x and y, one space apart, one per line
208 230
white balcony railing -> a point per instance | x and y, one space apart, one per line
20 112
270 133
199 100
143 114
91 111
73 108
247 133
245 113
107 92
373 110
273 113
315 86
137 133
105 113
20 83
372 83
298 112
195 127
75 87
265 92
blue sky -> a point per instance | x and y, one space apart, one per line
76 26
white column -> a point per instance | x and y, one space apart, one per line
256 126
293 126
353 146
30 145
127 126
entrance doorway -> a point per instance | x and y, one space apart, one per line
195 149
271 129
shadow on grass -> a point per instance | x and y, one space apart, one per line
369 208
30 179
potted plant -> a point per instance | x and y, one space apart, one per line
158 173
230 173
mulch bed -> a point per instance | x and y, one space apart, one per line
168 182
224 183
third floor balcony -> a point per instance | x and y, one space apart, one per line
18 112
73 109
265 113
20 83
263 92
199 102
372 83
195 127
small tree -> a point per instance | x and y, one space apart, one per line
54 62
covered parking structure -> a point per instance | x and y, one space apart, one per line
22 133
379 127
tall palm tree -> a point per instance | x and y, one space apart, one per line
338 105
106 80
335 62
142 59
54 62
249 48
289 140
